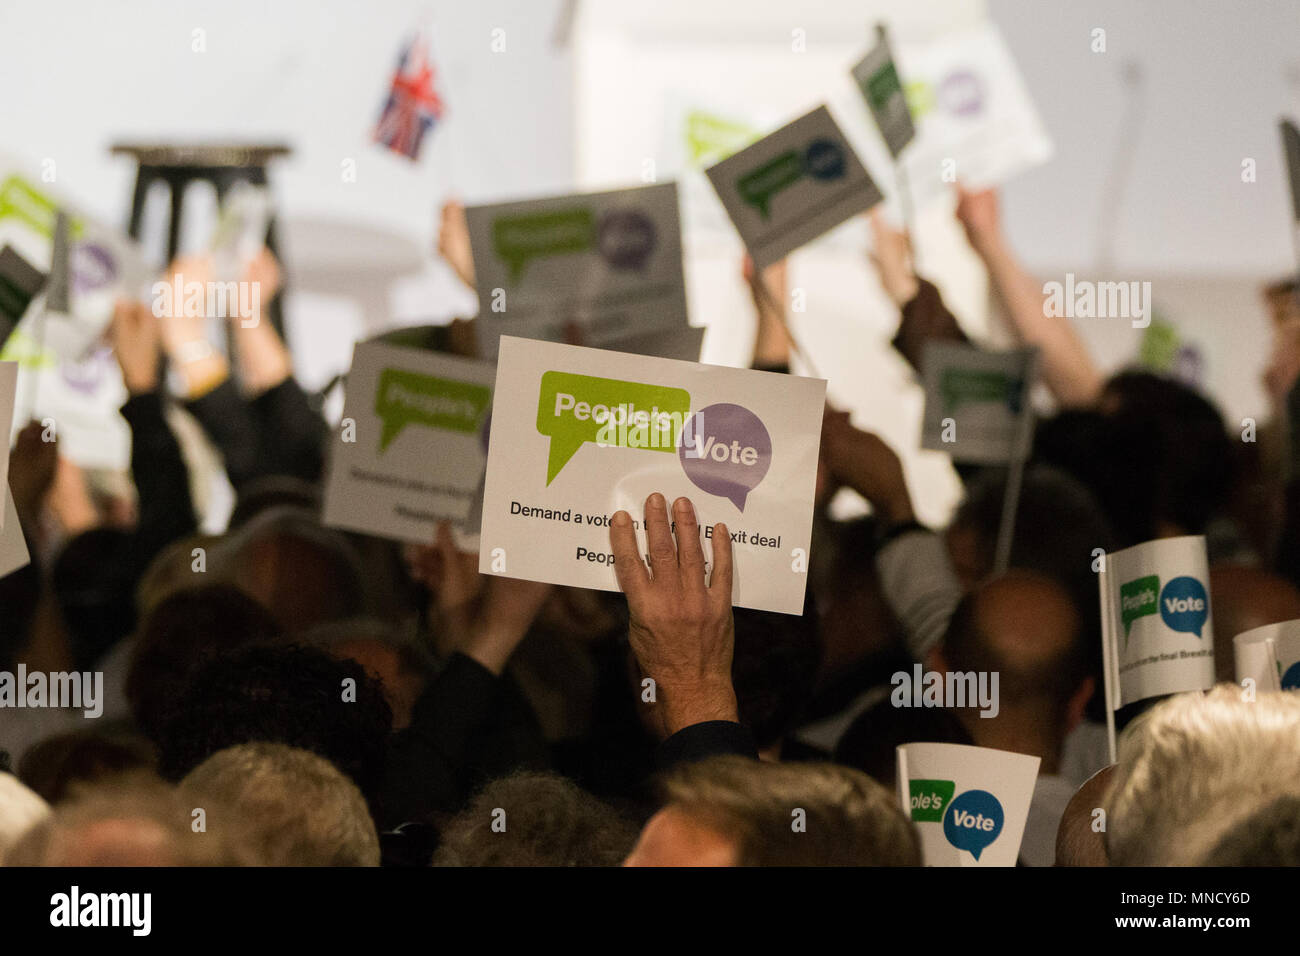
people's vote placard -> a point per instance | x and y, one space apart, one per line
977 402
606 265
579 433
1269 655
412 444
1156 619
792 186
969 804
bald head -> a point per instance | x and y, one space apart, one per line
1024 626
1081 837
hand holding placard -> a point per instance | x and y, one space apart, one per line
681 629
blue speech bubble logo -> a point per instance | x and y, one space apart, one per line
1291 679
1184 605
824 159
973 821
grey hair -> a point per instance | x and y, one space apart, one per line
299 809
1194 767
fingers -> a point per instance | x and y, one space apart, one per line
720 583
632 576
690 554
659 539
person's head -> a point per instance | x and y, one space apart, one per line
127 823
288 694
1268 837
1243 599
1058 525
1154 453
303 573
733 811
388 653
182 632
772 669
872 740
297 808
1080 838
1022 629
57 766
535 819
1194 768
20 809
93 585
1281 300
1197 460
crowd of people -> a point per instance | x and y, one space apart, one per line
284 693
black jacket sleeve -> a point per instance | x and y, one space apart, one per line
291 434
229 422
161 479
711 738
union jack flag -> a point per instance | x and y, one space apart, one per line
413 106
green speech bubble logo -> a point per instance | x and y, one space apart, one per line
882 85
960 386
930 798
573 409
23 201
1138 598
411 398
516 239
759 186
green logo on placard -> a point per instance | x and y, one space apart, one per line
882 85
930 798
517 239
759 186
1138 598
960 386
412 398
575 409
21 200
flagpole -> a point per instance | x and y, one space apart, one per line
1107 656
1015 475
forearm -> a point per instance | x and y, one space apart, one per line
1067 366
262 357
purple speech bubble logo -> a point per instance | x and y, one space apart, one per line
626 238
962 93
725 450
92 267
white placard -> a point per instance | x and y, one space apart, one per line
8 396
1269 655
969 804
596 265
976 401
579 433
419 445
972 111
1158 625
13 546
792 186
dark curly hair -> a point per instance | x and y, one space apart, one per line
186 629
281 693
